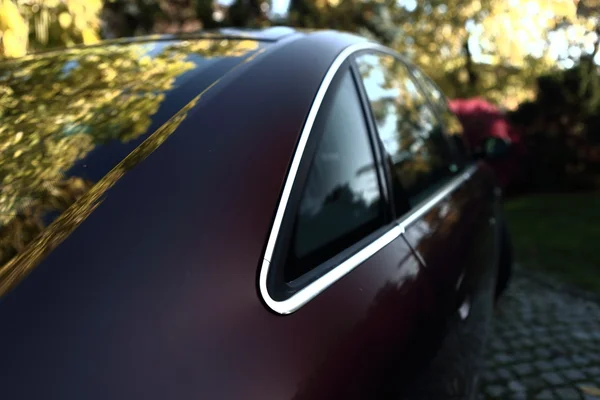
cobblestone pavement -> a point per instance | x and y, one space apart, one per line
545 344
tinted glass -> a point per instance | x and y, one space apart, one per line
340 202
453 127
408 127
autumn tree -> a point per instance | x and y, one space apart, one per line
494 48
35 24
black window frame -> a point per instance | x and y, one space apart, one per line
278 287
455 168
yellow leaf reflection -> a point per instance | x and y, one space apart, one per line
56 108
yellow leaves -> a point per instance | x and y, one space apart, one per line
446 31
18 137
469 10
145 61
109 74
13 44
13 30
517 28
56 108
65 20
10 18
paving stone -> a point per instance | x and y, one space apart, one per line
594 357
504 374
580 360
528 342
545 340
523 369
593 371
553 378
534 383
545 395
574 375
522 355
516 386
489 376
503 358
496 391
544 343
567 393
518 396
542 352
544 365
498 346
562 362
580 335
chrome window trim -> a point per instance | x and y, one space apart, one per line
310 291
419 210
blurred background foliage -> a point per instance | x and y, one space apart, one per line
537 58
490 48
513 53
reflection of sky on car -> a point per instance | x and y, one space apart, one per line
374 80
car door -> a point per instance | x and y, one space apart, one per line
478 186
362 310
444 203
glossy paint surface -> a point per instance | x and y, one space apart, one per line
68 118
450 236
150 290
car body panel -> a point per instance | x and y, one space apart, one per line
458 242
448 236
144 288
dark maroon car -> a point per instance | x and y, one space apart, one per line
240 215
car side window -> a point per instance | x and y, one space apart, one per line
419 155
453 126
341 201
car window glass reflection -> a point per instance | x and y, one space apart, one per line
341 199
452 126
407 125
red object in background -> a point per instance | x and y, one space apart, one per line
480 120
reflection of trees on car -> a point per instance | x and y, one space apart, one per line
78 201
56 108
410 131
